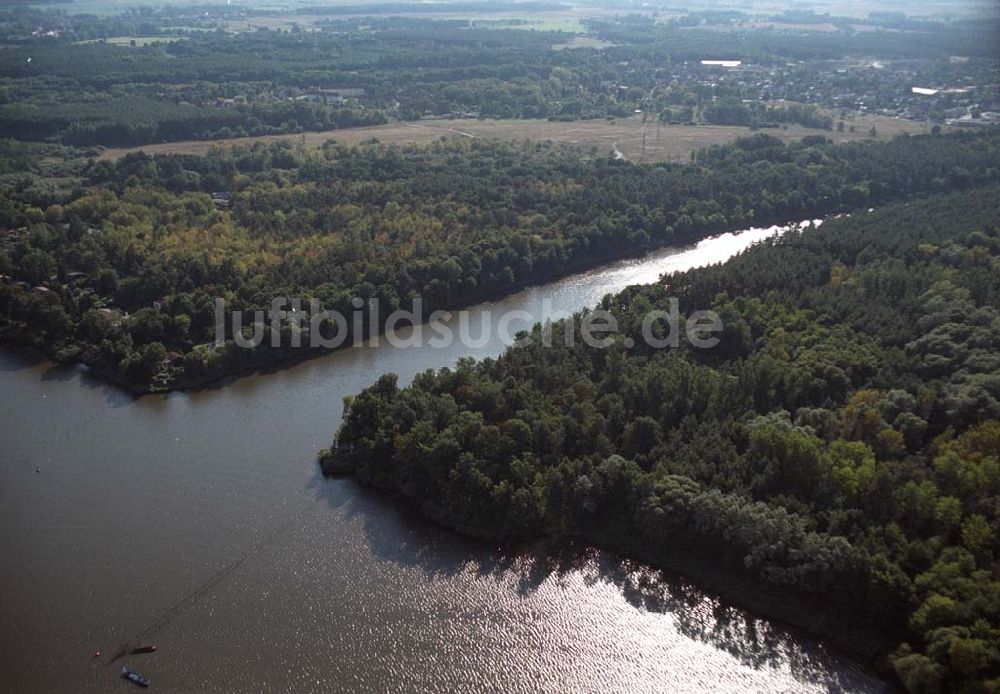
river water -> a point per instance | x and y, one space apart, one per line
199 522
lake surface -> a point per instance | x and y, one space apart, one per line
199 522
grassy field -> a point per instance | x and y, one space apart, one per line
662 142
554 21
138 40
272 22
568 21
582 42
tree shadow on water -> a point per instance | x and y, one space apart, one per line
707 618
60 372
114 396
18 359
396 531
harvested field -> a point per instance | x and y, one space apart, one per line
662 142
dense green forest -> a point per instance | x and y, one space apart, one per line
842 441
839 446
838 449
118 264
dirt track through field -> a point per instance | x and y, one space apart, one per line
635 140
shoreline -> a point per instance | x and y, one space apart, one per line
846 636
302 354
581 265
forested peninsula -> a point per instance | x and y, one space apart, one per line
118 264
841 443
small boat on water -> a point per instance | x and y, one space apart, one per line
143 649
135 677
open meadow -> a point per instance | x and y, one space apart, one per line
625 135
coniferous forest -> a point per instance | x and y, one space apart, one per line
830 464
841 442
